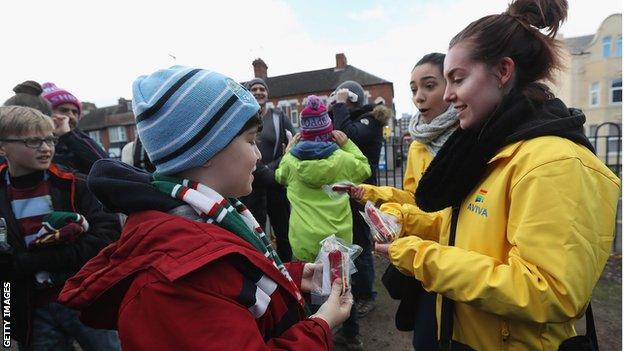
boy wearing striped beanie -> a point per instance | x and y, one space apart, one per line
197 250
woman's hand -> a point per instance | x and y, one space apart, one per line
337 307
356 193
382 250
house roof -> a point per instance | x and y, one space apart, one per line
99 118
577 45
320 80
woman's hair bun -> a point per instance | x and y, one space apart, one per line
28 87
540 13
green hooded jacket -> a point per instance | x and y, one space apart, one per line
314 215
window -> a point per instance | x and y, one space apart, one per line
615 91
613 145
618 46
114 152
594 94
606 47
294 118
117 134
96 136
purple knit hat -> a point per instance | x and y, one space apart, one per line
315 122
57 96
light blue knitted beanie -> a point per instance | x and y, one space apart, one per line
185 116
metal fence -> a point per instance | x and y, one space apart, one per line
606 138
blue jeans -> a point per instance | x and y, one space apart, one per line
55 327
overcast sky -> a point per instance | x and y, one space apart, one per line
95 49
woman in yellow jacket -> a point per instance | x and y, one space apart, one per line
434 122
533 208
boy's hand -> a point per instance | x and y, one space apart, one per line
356 193
337 307
339 137
294 140
61 124
308 274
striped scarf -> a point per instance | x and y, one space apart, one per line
214 208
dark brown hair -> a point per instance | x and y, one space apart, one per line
254 121
28 94
434 58
516 34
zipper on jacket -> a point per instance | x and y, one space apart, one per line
505 330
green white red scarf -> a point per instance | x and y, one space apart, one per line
214 208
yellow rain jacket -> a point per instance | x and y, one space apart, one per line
418 159
532 240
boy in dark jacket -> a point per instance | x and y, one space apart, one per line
53 226
192 269
74 149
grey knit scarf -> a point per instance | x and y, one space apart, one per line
434 134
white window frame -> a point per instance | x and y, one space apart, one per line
114 152
612 89
119 134
96 135
595 85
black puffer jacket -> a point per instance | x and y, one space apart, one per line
365 127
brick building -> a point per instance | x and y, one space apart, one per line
288 91
113 126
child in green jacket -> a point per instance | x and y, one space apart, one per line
322 156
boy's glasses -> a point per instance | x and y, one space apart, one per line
34 143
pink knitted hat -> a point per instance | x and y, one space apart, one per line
57 96
315 122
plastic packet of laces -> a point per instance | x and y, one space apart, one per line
336 259
338 189
384 227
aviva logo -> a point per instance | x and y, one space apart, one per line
477 207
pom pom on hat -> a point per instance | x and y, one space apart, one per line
315 122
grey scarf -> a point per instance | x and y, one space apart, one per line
434 134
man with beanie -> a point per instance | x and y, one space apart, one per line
322 157
268 197
76 149
193 270
363 123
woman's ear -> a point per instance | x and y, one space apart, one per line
505 71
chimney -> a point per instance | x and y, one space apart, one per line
260 68
341 61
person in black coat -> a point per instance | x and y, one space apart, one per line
269 197
363 123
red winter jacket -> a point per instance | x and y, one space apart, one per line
173 283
